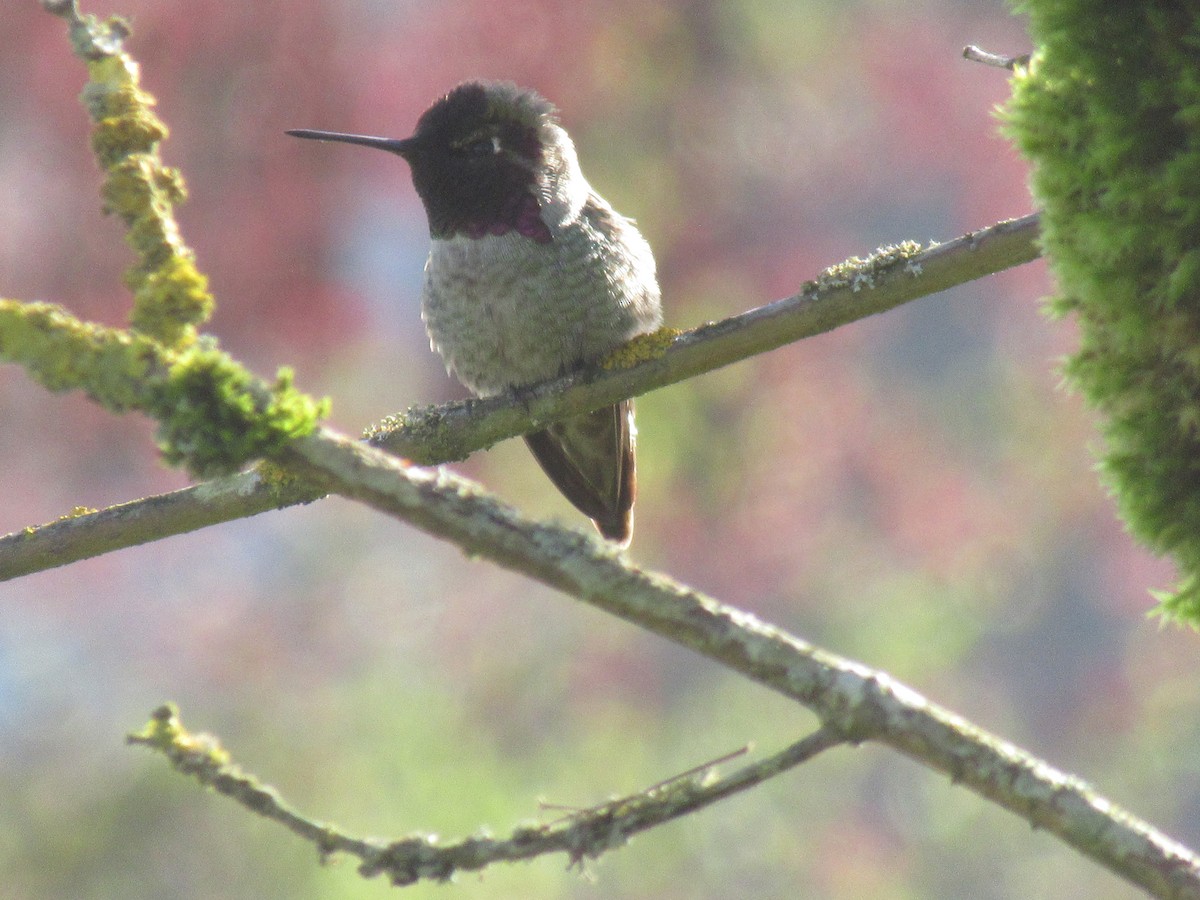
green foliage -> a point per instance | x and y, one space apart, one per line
1109 113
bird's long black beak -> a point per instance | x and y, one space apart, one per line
401 147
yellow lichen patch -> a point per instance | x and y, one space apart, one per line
129 188
213 415
641 348
122 97
857 273
162 730
63 353
115 137
276 478
78 511
189 752
170 181
109 64
170 296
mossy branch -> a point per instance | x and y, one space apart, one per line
170 297
852 700
214 416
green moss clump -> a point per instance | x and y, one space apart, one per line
1108 112
214 416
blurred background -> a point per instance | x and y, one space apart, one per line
915 491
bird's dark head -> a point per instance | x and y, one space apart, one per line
486 158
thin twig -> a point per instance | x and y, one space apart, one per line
976 54
585 835
705 768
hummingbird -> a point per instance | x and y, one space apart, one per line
531 274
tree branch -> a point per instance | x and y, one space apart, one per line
583 835
854 701
88 534
842 294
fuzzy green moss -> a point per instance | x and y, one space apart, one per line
1108 112
214 416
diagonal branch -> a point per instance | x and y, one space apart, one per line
859 703
843 294
853 701
87 534
583 835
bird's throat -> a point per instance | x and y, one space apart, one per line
522 214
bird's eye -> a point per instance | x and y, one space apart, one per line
488 146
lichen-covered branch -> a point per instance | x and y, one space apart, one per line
214 416
85 533
585 834
170 296
843 293
452 431
853 701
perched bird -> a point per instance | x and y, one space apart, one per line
530 274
